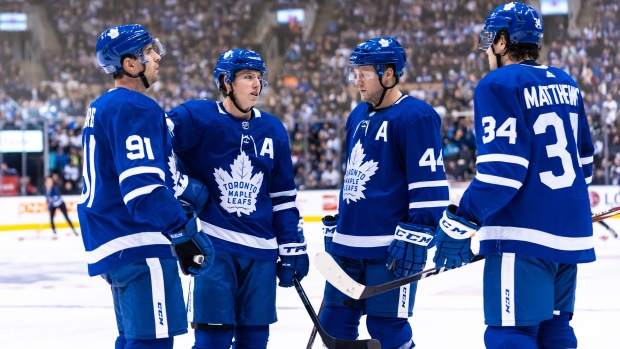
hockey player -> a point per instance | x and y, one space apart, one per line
529 201
130 183
55 201
393 193
243 156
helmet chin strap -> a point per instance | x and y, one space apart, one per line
385 89
140 75
234 100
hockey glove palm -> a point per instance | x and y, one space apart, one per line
194 195
407 252
329 228
293 263
193 248
454 240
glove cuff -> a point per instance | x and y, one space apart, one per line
194 194
185 233
292 249
414 234
329 225
457 227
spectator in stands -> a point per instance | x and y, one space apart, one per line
71 174
331 177
8 171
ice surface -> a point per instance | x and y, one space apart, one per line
48 301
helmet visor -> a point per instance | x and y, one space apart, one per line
486 39
159 47
361 75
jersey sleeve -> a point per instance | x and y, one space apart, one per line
180 122
421 143
503 144
137 138
283 194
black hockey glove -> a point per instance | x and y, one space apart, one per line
193 248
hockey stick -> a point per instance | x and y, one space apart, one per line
313 333
606 214
329 341
328 267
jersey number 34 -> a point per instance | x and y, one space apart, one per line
559 149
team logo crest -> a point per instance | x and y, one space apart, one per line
240 187
170 125
180 181
113 33
245 125
384 42
357 174
509 6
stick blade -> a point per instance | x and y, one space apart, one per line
334 274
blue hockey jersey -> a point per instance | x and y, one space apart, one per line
53 197
246 164
534 165
394 173
129 180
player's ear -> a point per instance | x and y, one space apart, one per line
228 86
388 72
128 63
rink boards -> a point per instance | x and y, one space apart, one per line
30 212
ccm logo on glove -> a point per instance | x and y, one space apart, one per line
417 238
329 231
456 229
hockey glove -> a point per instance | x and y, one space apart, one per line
193 248
407 252
329 228
454 240
194 195
293 263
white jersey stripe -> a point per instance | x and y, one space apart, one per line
507 182
284 206
429 204
283 193
586 160
427 184
140 170
125 242
507 289
158 292
589 180
512 159
536 237
239 237
362 241
140 191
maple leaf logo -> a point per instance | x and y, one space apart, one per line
239 188
357 174
179 181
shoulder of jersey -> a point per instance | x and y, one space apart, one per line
126 100
270 119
